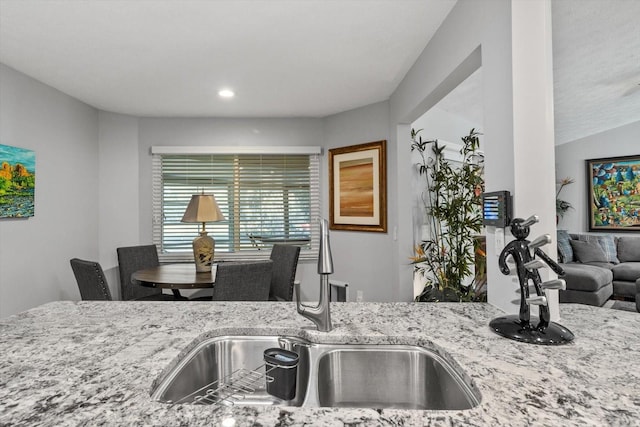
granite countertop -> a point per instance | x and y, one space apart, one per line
93 363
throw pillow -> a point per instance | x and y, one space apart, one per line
608 244
565 253
587 251
629 249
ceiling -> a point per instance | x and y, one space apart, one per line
596 69
298 58
283 58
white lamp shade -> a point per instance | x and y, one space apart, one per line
202 208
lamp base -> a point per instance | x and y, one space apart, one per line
203 251
511 327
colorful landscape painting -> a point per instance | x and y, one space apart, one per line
614 193
17 182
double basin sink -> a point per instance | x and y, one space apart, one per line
231 370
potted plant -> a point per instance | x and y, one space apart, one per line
452 201
562 206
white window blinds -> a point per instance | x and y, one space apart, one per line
266 198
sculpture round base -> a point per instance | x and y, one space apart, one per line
511 327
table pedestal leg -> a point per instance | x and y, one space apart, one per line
176 294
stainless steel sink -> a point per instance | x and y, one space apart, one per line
328 375
391 376
231 369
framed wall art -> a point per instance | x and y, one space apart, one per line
613 186
17 182
358 187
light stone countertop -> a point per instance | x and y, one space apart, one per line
93 363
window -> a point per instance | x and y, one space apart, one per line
267 195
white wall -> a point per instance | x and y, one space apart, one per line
480 34
570 162
450 57
360 258
444 126
35 252
119 204
363 259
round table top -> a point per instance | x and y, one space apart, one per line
174 276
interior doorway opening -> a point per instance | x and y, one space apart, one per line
454 116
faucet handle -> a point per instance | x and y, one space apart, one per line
290 343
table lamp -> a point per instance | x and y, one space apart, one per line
203 208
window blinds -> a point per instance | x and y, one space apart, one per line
265 198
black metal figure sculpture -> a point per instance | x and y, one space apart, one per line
524 254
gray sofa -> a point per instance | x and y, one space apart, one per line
599 266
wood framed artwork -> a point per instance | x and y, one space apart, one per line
17 182
613 186
358 187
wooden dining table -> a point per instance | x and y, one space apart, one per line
175 277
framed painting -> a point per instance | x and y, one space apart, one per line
17 182
613 186
358 187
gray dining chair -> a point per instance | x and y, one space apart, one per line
285 264
243 281
91 280
131 259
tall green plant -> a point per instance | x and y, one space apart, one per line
452 200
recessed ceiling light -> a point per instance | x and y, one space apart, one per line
226 93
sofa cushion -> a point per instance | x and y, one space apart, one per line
609 247
584 277
629 249
565 253
607 265
597 298
627 271
587 251
624 289
606 242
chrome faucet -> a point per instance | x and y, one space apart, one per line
320 314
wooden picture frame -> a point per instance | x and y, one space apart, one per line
358 187
613 193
